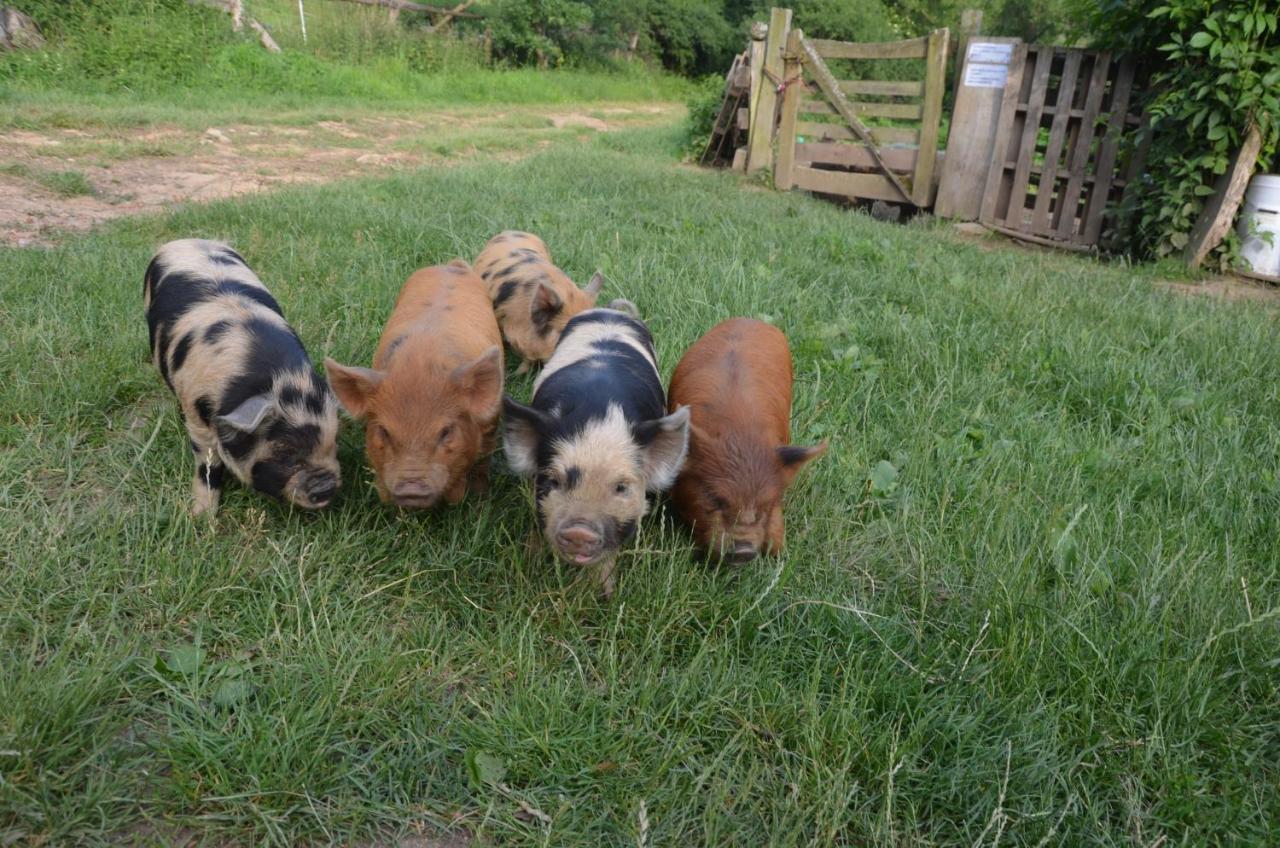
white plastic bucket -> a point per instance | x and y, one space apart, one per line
1261 215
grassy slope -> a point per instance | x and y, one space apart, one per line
1043 625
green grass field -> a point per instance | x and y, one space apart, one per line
1031 595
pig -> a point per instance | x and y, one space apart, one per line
596 439
250 398
736 383
430 402
534 299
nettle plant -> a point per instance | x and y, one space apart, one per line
1215 74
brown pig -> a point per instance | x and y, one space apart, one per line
430 403
736 381
532 298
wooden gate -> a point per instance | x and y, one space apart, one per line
825 146
1055 165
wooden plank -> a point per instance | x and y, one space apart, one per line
1083 146
970 27
755 57
822 76
975 117
879 88
760 138
1015 217
740 159
898 111
880 135
992 193
1228 191
911 48
790 105
871 186
899 159
1023 235
1047 183
1100 192
935 82
744 119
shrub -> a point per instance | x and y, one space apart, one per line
704 105
1215 72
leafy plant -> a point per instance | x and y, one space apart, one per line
1215 74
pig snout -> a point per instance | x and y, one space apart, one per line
741 553
579 542
320 488
414 493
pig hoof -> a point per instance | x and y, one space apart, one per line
524 367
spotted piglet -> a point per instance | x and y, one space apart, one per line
532 298
595 439
736 383
251 401
430 403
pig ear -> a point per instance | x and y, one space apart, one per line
664 442
481 380
522 428
352 386
621 304
594 285
795 457
545 305
249 416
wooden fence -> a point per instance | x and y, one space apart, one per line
1040 132
823 144
1055 168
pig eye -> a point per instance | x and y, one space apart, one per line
620 489
717 503
381 433
553 482
446 433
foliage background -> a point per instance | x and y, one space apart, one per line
1215 70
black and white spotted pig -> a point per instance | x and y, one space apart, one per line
596 439
251 400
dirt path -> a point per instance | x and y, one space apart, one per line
66 180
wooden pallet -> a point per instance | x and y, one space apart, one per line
1056 168
730 128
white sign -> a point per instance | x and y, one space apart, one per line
990 53
986 76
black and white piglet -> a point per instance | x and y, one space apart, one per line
595 438
250 398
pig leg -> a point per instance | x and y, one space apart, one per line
207 484
526 365
604 576
478 477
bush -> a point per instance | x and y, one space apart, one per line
704 105
1215 72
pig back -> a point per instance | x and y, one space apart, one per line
446 308
737 376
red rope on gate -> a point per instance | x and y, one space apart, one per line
782 84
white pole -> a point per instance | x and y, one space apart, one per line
302 17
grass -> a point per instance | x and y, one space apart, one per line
1031 594
63 183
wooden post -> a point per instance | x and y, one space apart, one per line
974 119
1220 211
755 61
935 81
970 27
760 137
302 21
791 69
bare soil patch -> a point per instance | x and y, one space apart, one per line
153 168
